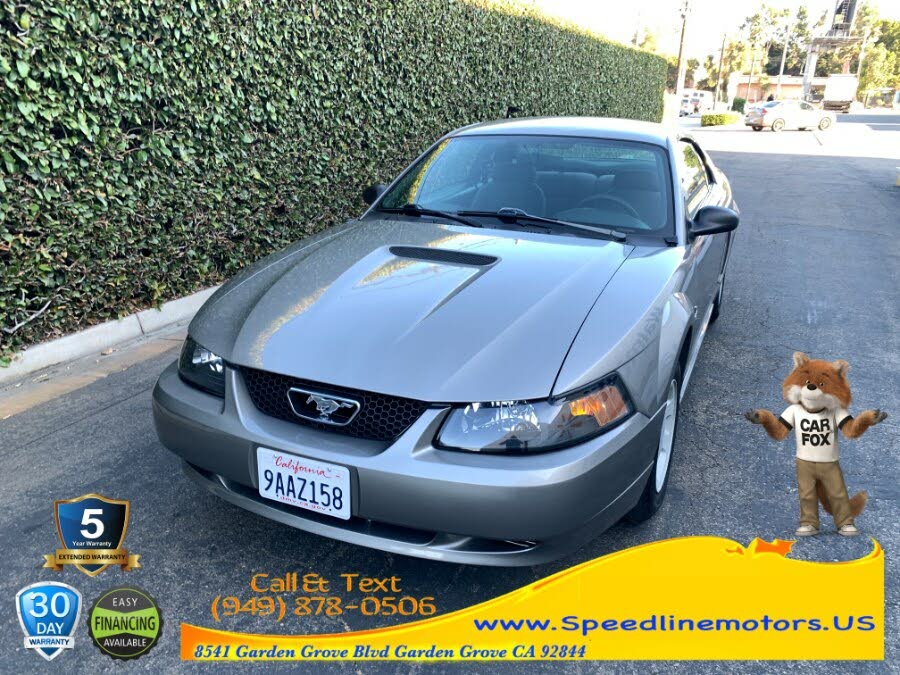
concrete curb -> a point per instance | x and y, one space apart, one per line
97 338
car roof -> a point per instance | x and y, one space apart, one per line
591 127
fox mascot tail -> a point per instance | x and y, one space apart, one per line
857 501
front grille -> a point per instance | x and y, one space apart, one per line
380 418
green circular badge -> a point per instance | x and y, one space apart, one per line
125 622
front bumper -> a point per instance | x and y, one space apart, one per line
409 497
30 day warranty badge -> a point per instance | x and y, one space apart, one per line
92 531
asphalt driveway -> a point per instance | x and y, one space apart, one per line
815 268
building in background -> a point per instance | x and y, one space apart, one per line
762 85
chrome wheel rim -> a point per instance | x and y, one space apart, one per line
667 436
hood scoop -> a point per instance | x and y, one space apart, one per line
442 255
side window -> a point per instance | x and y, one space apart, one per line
693 176
805 106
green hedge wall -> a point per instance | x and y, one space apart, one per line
149 148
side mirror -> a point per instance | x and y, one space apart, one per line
373 192
713 220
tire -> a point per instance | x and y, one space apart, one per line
824 123
777 126
757 128
655 490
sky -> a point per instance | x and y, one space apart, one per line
708 20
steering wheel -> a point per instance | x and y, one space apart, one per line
620 205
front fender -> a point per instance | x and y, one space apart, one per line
636 328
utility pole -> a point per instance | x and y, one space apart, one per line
719 74
862 53
787 39
682 62
750 76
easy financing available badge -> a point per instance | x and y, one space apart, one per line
92 531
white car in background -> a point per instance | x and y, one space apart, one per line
780 115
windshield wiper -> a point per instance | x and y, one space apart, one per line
512 215
416 210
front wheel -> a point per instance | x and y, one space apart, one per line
757 128
655 491
824 123
777 125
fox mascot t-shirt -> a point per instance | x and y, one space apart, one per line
817 439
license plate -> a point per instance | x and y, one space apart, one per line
306 483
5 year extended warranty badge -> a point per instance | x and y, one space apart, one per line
125 622
92 530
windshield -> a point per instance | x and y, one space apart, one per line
614 184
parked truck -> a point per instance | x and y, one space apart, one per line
840 92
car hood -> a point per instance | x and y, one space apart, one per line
413 308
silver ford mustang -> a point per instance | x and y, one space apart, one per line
486 367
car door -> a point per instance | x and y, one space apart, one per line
809 114
787 110
707 252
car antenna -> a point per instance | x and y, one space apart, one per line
511 110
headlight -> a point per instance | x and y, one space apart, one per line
534 426
203 369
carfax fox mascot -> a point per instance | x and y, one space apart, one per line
819 395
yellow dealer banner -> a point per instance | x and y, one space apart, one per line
687 598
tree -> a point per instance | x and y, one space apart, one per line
799 43
889 35
649 42
833 60
732 61
671 72
692 66
781 30
881 63
866 23
711 66
880 69
758 31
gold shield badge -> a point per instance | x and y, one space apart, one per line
92 531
